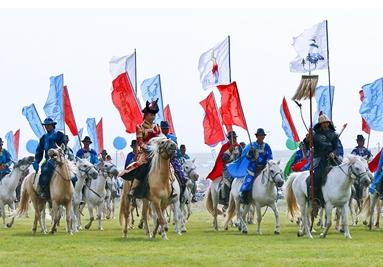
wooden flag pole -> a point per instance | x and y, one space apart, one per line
368 139
228 37
328 71
135 71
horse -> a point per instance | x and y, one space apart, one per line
84 170
336 193
110 198
264 193
190 170
371 203
160 188
212 199
95 192
8 186
61 192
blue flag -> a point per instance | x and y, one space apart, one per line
54 106
11 145
91 128
371 108
33 118
322 97
151 90
77 146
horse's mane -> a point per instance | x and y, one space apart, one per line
351 158
153 145
72 167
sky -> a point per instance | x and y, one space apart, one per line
39 43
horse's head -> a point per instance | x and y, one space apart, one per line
189 168
359 169
24 163
164 146
86 169
109 169
57 154
275 173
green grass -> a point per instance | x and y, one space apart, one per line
200 246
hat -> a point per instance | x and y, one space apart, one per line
164 125
323 118
260 131
231 134
182 146
86 139
49 121
1 141
104 153
359 137
151 107
133 143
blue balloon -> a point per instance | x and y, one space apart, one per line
32 145
119 143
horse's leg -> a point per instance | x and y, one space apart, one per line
100 209
259 218
214 196
69 219
91 217
2 208
345 221
277 229
338 214
328 220
43 226
374 199
55 216
378 213
160 218
37 216
144 217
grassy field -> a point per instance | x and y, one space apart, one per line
200 246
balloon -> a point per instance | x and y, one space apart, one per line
32 145
291 144
119 143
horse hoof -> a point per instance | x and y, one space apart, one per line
348 237
244 232
183 231
364 222
322 235
101 228
166 228
276 232
107 217
226 228
9 225
299 234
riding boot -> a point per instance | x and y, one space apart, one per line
132 190
245 197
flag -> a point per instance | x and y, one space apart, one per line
11 145
33 118
217 170
213 131
322 97
77 144
371 108
373 164
231 108
287 122
214 65
69 116
54 106
123 96
151 90
16 142
128 64
311 48
365 127
100 136
169 119
92 132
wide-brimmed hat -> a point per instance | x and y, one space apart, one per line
151 107
164 125
359 137
49 121
1 141
133 143
231 134
86 140
260 131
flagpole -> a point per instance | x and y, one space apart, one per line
38 116
135 71
162 102
219 115
328 71
228 37
368 139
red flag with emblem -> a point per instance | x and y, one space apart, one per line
169 119
100 136
68 113
213 131
16 142
365 127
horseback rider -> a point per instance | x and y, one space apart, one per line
258 155
176 164
131 157
5 161
233 152
326 142
68 151
49 140
181 155
360 149
86 152
147 130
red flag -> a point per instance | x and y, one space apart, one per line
68 113
287 121
16 142
219 164
169 119
213 131
231 108
100 136
365 127
373 164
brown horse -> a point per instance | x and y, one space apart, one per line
160 177
61 192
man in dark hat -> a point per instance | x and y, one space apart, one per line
5 161
86 152
103 154
258 155
360 149
68 151
131 157
182 156
51 139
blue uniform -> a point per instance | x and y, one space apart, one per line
377 177
256 164
5 162
362 152
90 155
129 159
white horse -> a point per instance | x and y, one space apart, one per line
264 193
175 208
111 197
190 169
336 193
95 192
84 170
8 186
212 198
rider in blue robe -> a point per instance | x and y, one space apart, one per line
5 161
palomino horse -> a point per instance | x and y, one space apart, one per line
61 192
8 186
84 170
160 189
336 193
95 193
264 193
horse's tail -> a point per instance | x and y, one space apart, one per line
292 206
231 208
365 212
209 202
24 198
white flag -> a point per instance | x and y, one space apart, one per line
311 47
126 63
214 67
